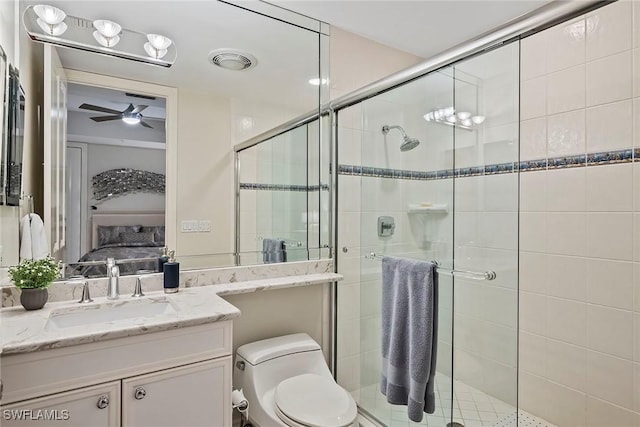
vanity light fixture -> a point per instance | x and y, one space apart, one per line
157 45
106 32
448 116
47 24
50 19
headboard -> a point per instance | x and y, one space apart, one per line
148 219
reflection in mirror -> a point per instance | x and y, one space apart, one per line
217 106
281 198
115 181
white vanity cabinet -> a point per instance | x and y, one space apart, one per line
194 395
97 406
179 377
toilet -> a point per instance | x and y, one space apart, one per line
288 384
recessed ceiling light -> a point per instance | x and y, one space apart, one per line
317 81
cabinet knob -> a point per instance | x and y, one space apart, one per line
103 401
140 393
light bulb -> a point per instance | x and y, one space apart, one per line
451 119
131 118
159 42
317 82
466 122
106 41
49 14
428 117
52 29
153 52
449 111
464 115
107 28
477 119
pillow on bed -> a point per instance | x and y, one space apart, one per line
108 234
141 237
158 233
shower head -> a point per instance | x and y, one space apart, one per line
408 143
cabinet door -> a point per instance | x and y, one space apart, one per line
96 406
196 395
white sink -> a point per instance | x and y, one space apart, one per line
109 312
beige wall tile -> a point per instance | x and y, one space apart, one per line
604 414
609 236
566 364
609 79
565 90
566 321
609 30
610 378
601 322
610 283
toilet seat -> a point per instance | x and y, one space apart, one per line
313 401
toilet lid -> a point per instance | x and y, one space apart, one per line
315 401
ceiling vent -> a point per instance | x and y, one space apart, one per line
232 59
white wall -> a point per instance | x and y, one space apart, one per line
580 226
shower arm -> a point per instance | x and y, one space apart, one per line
387 128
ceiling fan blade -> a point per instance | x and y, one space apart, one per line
128 110
98 108
143 123
139 108
106 118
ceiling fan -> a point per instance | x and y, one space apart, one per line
131 115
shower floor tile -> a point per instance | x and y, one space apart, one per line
473 408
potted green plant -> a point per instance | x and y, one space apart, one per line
33 277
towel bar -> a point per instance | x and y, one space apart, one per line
476 275
287 242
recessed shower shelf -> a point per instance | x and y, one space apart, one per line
430 209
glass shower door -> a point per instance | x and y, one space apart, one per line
396 199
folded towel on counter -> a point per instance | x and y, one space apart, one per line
33 239
409 334
273 250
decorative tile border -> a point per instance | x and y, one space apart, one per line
563 162
283 187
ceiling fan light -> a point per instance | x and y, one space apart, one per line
108 29
131 119
158 41
49 14
52 29
153 52
106 41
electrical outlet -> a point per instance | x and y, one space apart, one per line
189 226
204 226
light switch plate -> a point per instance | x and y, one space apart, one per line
189 226
204 226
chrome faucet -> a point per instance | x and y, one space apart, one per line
113 276
86 297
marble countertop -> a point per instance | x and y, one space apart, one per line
54 326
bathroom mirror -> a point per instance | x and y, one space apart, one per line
220 103
3 122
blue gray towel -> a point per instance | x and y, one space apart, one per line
273 250
409 334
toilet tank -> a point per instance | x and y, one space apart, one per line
262 365
261 351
